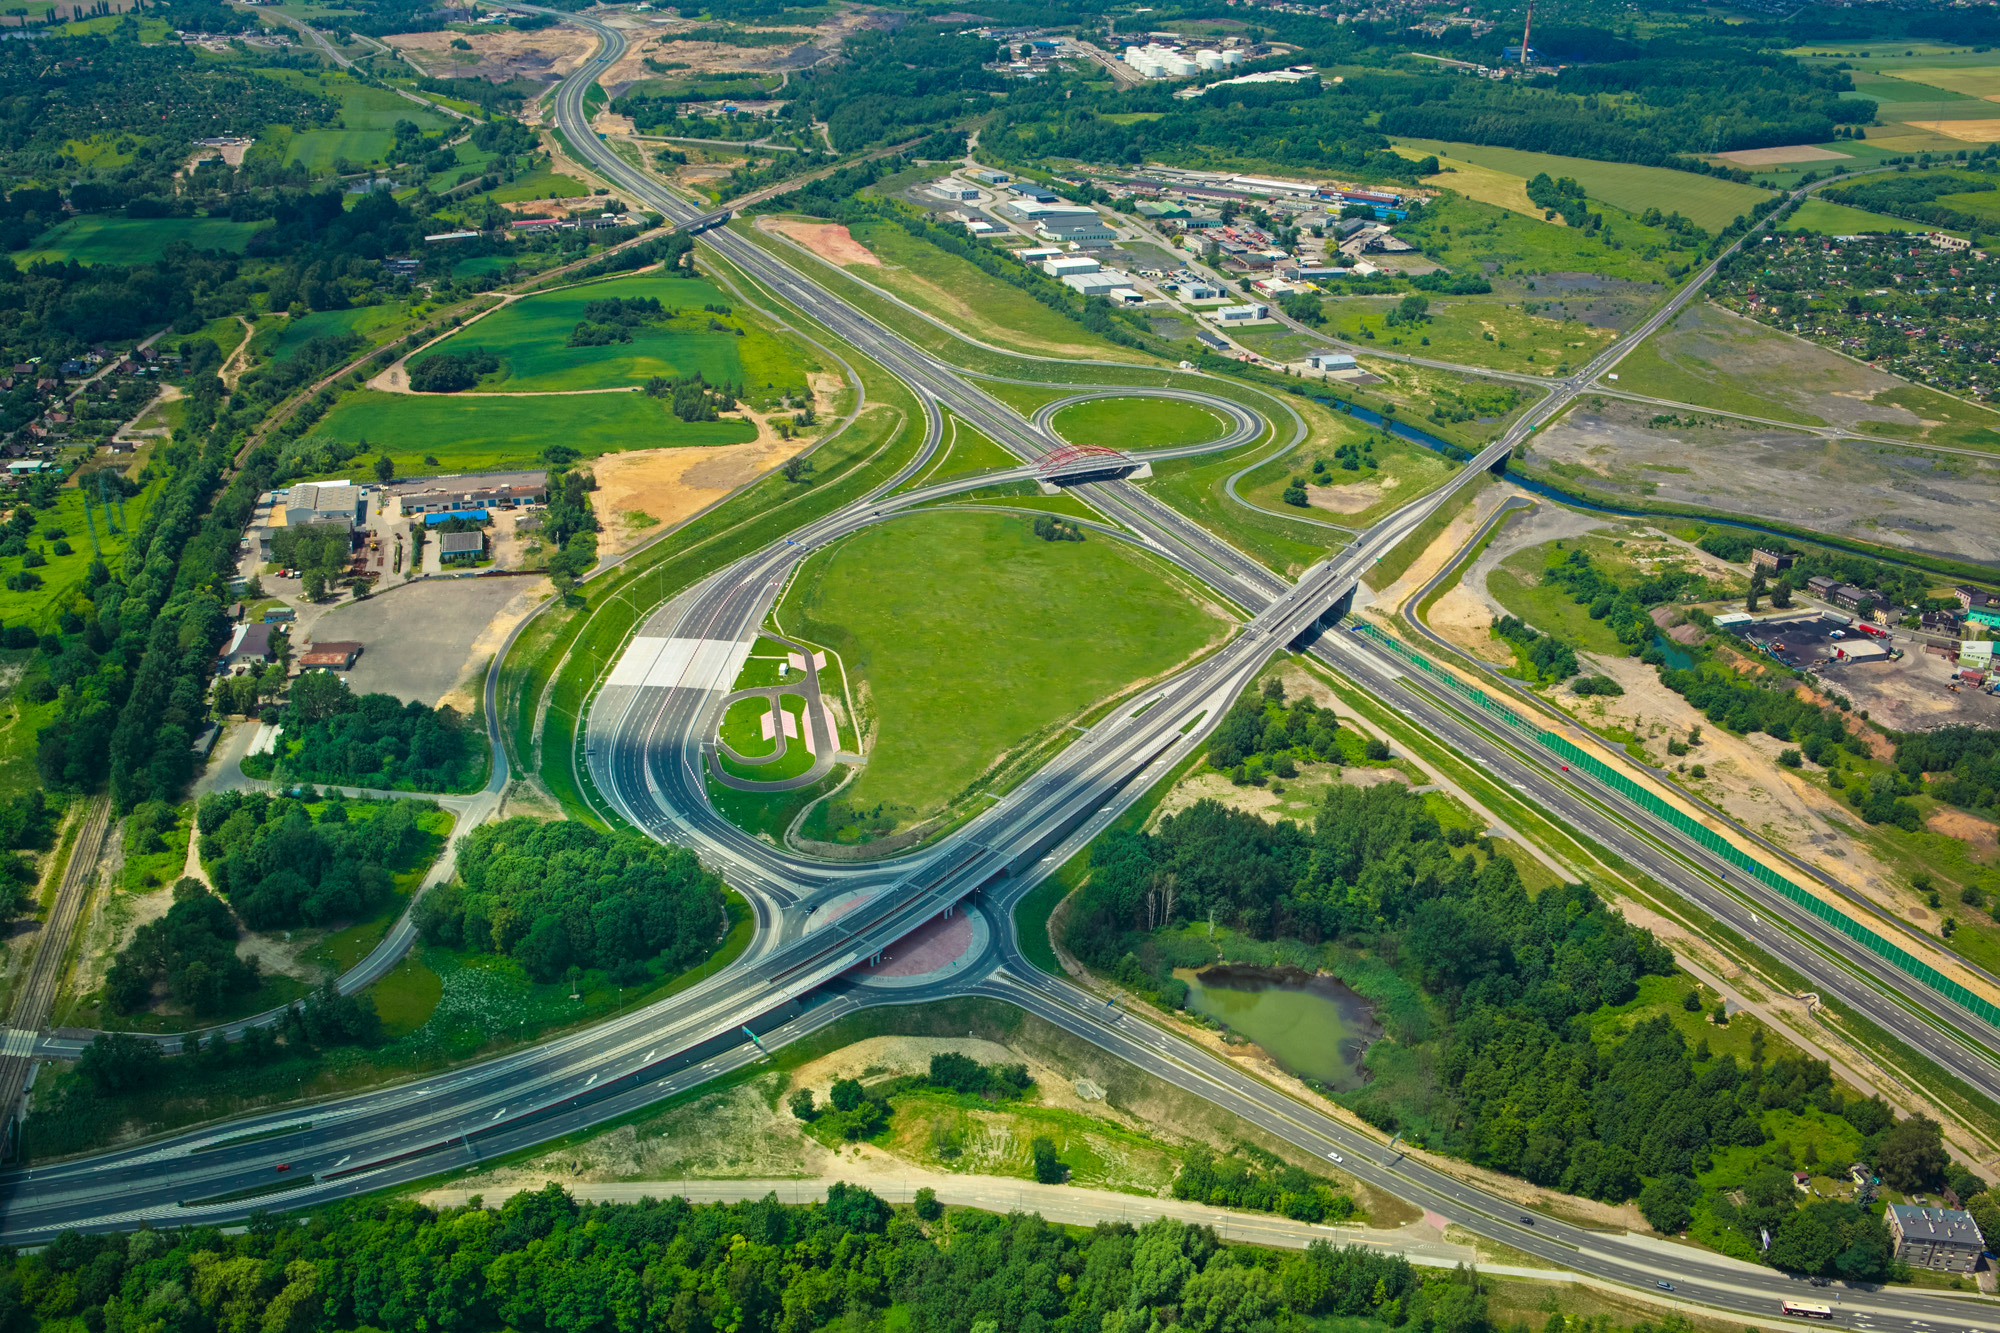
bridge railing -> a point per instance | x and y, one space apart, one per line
1681 822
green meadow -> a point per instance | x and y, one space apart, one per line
1706 200
471 433
368 116
111 238
531 339
1138 423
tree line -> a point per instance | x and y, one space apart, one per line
543 1262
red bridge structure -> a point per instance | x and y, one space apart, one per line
1072 458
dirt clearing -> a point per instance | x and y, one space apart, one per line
1874 492
499 54
1771 157
1351 498
830 241
668 485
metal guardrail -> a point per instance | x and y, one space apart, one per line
1707 838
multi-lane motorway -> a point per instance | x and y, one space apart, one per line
646 729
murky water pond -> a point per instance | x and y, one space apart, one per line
1311 1025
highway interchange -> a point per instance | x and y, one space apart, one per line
644 752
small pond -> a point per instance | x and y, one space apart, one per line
1313 1026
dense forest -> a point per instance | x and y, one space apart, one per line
376 740
544 1263
557 895
279 865
1497 1065
1969 755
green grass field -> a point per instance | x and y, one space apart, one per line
974 638
1406 471
1831 219
1666 366
63 576
1458 331
1138 423
743 728
541 183
1483 234
367 120
530 338
279 338
469 433
1712 203
109 238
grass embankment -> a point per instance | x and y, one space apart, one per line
975 641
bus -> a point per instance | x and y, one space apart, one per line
1805 1310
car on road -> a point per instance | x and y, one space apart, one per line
1526 1221
1338 1158
284 1166
1664 1285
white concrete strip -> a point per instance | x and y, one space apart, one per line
640 654
690 664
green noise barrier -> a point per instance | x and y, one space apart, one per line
1680 822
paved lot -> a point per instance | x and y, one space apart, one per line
418 638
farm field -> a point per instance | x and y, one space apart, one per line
1712 203
108 238
1137 423
530 337
1831 219
368 116
469 433
973 638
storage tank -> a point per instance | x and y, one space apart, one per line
1232 57
1208 60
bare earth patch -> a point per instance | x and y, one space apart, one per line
830 241
1981 835
1462 619
499 53
1771 157
672 484
1351 498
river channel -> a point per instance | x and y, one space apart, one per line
1312 1025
